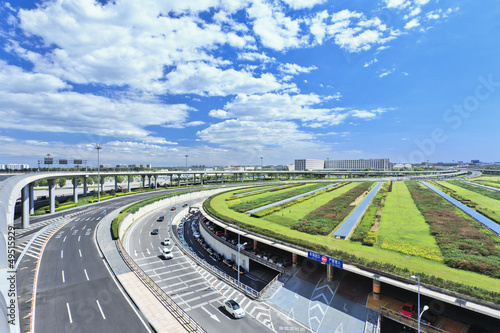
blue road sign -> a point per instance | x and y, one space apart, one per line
325 259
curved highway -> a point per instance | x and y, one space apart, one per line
197 291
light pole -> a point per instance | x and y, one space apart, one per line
418 302
261 170
186 170
98 147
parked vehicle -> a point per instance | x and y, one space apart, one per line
160 219
219 233
408 309
228 262
234 309
284 262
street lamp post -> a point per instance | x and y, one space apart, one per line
418 302
98 147
186 170
261 170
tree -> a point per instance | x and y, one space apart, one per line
61 182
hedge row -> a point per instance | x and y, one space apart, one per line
464 289
234 197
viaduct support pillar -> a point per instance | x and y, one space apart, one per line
52 196
376 289
156 182
201 179
128 184
116 183
255 244
329 273
85 188
149 181
75 190
179 180
294 260
32 198
143 181
25 193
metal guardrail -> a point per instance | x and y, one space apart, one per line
241 286
181 315
397 316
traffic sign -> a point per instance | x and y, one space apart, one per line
325 259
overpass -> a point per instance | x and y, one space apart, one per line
11 187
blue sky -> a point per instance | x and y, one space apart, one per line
226 82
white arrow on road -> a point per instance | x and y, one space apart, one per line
214 317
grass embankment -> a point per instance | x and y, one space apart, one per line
431 272
403 228
493 181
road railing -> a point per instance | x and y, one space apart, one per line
182 316
408 321
182 244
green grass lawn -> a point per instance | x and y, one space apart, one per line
402 221
293 214
414 264
481 200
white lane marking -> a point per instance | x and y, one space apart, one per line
61 254
69 314
79 238
86 275
100 309
84 227
148 251
63 276
139 241
72 228
80 251
64 239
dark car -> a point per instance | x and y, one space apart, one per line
154 232
160 219
428 317
185 205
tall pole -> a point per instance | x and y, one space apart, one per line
186 170
418 304
98 147
261 170
239 249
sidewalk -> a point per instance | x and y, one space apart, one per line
156 314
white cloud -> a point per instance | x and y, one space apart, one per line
398 4
412 24
387 72
375 60
203 79
254 56
300 4
295 69
15 80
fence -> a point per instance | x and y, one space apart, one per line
397 316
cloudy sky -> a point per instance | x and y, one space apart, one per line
227 82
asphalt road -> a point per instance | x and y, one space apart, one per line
198 292
75 291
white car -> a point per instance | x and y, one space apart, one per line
166 241
166 253
234 309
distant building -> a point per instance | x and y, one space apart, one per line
382 164
121 165
401 165
141 166
302 165
15 166
105 165
291 167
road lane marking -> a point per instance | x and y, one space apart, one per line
61 254
63 276
84 227
72 229
100 309
64 239
69 314
86 275
80 251
79 238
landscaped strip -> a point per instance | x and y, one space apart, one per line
281 202
345 229
323 220
488 187
266 198
484 220
459 237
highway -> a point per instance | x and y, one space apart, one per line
75 291
198 292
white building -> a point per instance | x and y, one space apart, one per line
15 166
382 164
302 165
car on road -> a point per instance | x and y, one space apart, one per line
234 309
217 256
408 309
160 219
173 208
154 232
185 205
195 234
228 262
166 241
166 253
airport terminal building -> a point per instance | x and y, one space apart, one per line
380 164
